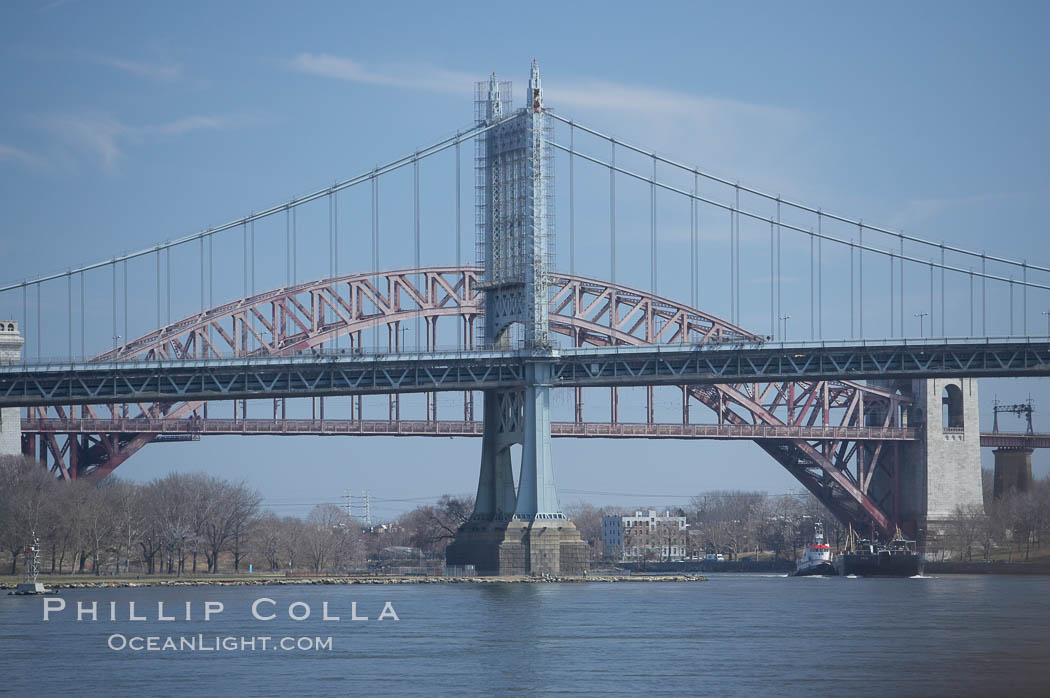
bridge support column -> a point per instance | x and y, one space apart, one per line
941 472
10 418
1013 471
526 532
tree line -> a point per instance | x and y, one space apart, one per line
193 524
197 523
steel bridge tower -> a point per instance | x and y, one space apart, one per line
520 531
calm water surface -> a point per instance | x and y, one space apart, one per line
733 635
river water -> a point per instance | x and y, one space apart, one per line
732 635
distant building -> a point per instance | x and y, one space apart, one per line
644 535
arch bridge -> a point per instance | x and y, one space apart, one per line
840 439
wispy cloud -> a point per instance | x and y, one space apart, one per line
10 153
166 72
729 136
101 137
426 78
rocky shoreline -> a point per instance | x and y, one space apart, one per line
293 581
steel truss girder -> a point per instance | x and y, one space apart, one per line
287 321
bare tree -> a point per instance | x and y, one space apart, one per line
588 520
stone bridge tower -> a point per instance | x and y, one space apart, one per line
10 417
942 470
517 531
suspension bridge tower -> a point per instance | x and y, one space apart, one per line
10 419
517 530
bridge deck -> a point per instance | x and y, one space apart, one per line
679 364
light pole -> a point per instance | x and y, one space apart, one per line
1047 314
116 341
784 319
921 316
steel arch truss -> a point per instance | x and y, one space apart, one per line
368 309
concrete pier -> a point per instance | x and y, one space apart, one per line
1013 471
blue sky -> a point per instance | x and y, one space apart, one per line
126 124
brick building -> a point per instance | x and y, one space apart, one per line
644 535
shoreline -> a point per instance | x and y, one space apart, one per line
118 583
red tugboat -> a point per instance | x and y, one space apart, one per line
817 559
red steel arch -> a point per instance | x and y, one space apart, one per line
587 311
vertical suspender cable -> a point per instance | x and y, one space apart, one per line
696 234
202 272
901 299
652 232
459 241
288 246
251 266
113 295
612 217
971 301
732 261
772 277
416 239
25 310
38 321
83 344
1024 300
984 298
244 258
572 201
1010 287
127 337
892 299
335 234
295 248
159 323
820 274
860 281
943 331
68 311
812 318
852 306
167 277
737 248
779 290
69 308
211 272
692 247
931 297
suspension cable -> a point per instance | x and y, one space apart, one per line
391 166
796 205
831 238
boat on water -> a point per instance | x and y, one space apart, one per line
817 558
866 558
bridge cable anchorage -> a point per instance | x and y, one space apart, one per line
795 204
790 226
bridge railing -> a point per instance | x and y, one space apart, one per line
453 353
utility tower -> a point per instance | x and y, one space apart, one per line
517 531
